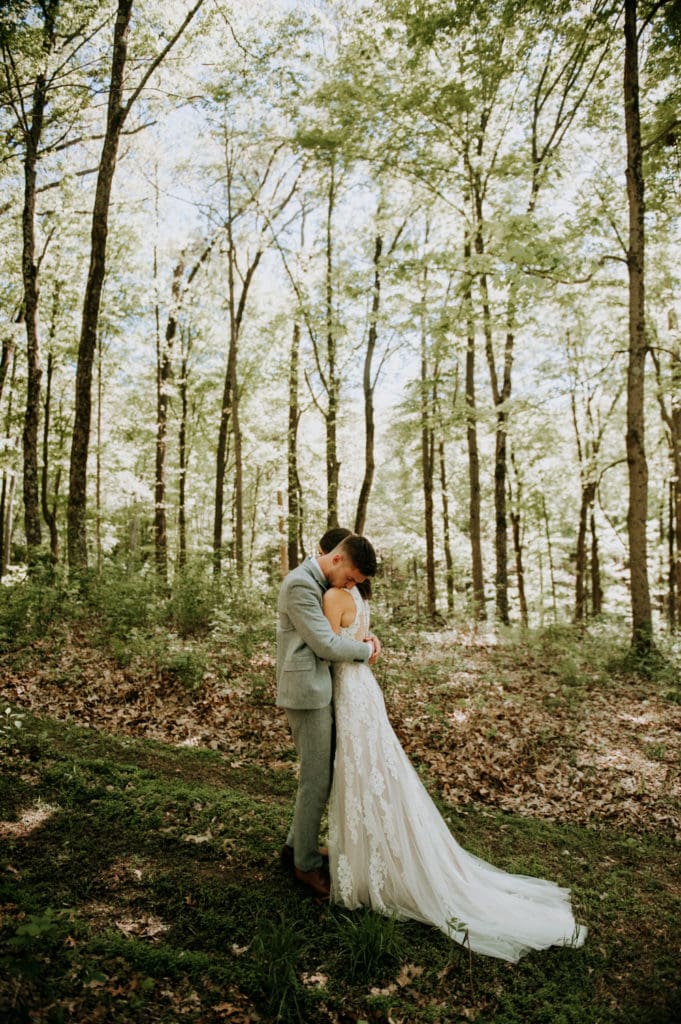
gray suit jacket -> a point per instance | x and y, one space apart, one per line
306 642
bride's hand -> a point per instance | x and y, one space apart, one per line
377 648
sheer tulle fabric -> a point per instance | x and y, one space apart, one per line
390 849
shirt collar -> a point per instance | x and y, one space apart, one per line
318 572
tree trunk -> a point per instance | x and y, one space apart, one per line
98 460
675 450
588 492
333 383
449 562
6 358
596 586
294 518
367 383
479 609
77 504
500 396
8 481
427 458
8 505
549 548
642 624
116 116
516 528
182 455
32 138
221 471
164 370
229 414
671 547
49 513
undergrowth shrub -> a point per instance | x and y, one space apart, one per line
243 620
194 598
161 654
124 601
30 607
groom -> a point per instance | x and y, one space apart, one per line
306 644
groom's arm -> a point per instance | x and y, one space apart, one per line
305 612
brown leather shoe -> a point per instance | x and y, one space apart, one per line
286 856
317 880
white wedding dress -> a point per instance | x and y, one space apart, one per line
389 848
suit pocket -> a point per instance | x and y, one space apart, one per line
300 662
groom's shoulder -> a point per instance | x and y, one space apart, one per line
302 574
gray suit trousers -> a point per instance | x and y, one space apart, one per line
313 735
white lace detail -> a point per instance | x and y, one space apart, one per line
391 850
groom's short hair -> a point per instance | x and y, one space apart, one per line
360 552
332 538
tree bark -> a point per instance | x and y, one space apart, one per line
116 113
98 459
674 424
164 370
229 413
516 530
294 518
500 396
596 585
49 512
587 495
183 386
332 381
642 624
32 134
427 458
549 549
8 481
479 609
368 389
7 356
449 562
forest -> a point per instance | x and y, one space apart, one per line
407 266
411 268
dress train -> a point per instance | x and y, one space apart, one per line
391 850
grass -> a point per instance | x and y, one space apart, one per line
148 890
139 881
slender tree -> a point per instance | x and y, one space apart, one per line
671 417
637 515
370 376
295 511
49 509
9 477
474 515
118 111
30 122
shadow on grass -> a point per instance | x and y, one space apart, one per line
148 889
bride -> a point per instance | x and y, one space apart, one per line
389 848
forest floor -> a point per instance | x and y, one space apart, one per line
141 820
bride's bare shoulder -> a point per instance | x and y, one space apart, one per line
335 597
339 608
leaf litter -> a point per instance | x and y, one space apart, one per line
486 725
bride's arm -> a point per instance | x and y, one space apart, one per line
339 608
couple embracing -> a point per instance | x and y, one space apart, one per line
389 848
